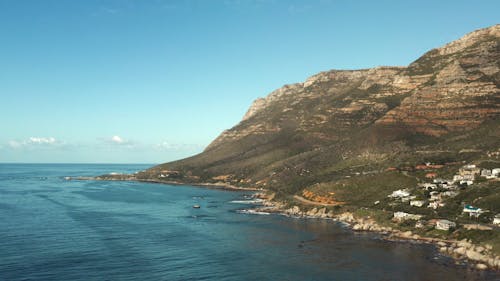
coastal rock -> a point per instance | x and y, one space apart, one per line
293 211
406 234
321 212
479 249
460 250
346 217
481 266
464 244
473 255
493 263
312 212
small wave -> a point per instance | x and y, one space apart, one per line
256 201
252 212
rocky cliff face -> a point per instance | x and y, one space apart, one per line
302 132
452 88
460 86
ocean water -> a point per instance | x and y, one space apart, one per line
54 229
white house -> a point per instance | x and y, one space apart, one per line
496 219
417 203
466 174
467 182
495 172
435 204
449 193
429 186
445 225
472 169
420 224
399 193
472 211
408 198
435 195
486 173
400 216
490 174
457 178
440 181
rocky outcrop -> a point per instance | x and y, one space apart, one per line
462 88
469 40
465 250
295 211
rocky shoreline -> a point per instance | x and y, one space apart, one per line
219 185
478 257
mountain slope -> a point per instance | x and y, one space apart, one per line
341 123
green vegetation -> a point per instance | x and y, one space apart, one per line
364 190
383 218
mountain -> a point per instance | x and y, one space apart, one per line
345 126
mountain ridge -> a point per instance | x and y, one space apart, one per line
382 114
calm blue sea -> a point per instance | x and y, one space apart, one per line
54 229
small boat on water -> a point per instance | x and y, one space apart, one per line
196 206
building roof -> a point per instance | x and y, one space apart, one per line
469 207
445 222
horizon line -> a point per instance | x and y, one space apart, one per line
79 163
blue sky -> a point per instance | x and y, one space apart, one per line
151 81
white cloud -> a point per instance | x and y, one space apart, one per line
32 142
38 140
117 139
